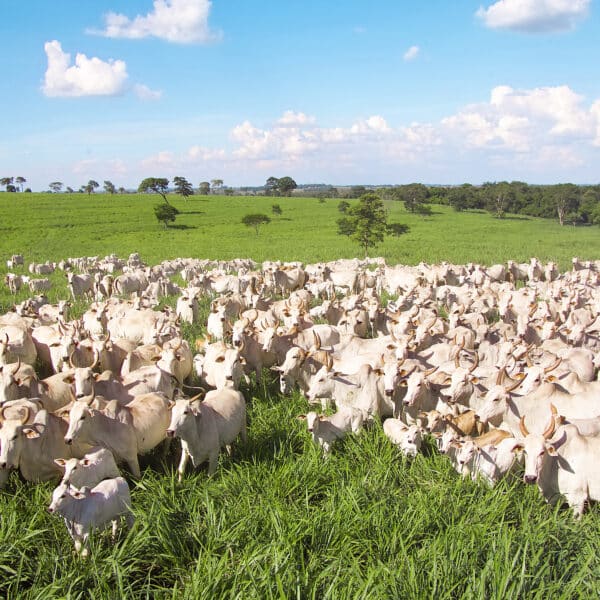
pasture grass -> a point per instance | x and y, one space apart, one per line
277 520
54 226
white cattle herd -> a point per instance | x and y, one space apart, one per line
498 363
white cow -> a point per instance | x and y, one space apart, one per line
86 509
205 427
97 464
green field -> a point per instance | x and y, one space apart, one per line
277 521
53 226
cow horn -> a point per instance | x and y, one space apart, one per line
514 385
400 361
26 414
178 345
96 359
457 360
71 360
18 366
475 363
317 340
89 399
6 338
522 427
328 362
2 418
431 371
194 398
553 366
552 425
500 376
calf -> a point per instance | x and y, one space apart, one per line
96 465
86 509
327 430
407 438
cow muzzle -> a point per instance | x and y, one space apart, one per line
389 393
170 433
68 441
530 478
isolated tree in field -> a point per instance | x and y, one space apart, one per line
122 190
56 186
369 221
271 186
255 220
276 209
346 226
183 187
204 188
20 181
217 184
91 186
397 229
343 206
165 213
69 190
109 187
6 181
156 185
285 185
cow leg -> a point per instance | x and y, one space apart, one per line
185 455
213 461
129 519
115 525
577 504
134 466
229 449
4 475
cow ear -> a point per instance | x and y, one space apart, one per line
61 462
404 383
31 433
378 372
519 376
171 405
69 379
96 376
276 368
551 378
301 417
155 358
551 450
243 360
518 447
475 380
447 381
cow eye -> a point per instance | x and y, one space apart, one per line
186 412
63 495
12 439
82 417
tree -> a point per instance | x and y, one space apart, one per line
346 226
566 200
109 187
156 185
217 184
343 206
368 220
165 213
183 187
20 181
271 186
285 185
276 209
255 220
6 181
397 229
69 190
56 186
414 196
204 188
91 186
499 197
122 190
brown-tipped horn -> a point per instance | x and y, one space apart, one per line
318 342
194 398
500 376
89 399
6 338
2 417
242 345
71 360
528 359
553 410
17 367
328 362
514 385
96 359
553 366
475 363
551 426
400 361
26 414
522 427
178 345
393 335
457 360
431 371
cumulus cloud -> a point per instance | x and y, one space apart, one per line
179 21
411 53
87 77
534 16
143 92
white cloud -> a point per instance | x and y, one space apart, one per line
411 53
291 118
534 16
87 77
180 21
143 92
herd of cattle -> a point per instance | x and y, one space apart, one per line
497 363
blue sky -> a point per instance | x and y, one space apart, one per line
387 91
